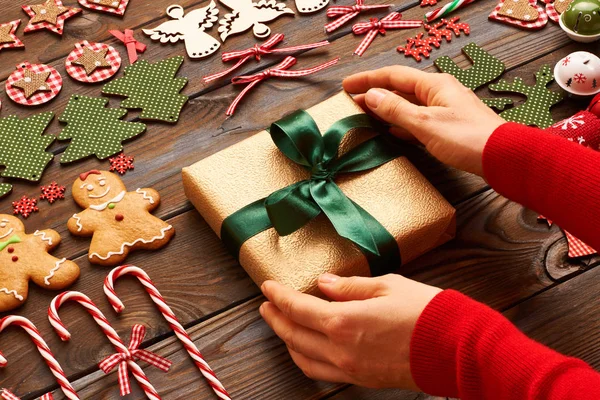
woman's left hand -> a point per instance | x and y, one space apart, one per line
362 337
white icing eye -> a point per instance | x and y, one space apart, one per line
3 225
90 187
102 183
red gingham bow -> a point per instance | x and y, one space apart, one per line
375 26
121 359
132 45
258 51
346 13
8 395
280 70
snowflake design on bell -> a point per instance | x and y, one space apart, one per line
121 163
25 206
579 78
53 192
566 60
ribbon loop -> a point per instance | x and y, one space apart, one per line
375 26
346 13
131 44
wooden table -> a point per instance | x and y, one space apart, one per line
501 256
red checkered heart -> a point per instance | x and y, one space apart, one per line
532 25
78 72
117 7
53 84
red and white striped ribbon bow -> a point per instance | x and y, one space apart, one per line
280 70
257 51
8 395
346 13
375 26
138 332
133 46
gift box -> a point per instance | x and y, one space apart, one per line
328 199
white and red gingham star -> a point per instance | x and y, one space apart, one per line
60 21
9 28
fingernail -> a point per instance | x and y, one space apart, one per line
328 278
261 309
373 97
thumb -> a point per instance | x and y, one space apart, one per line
392 108
352 288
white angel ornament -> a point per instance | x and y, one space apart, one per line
246 14
189 28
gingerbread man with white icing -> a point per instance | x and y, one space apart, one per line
25 257
118 221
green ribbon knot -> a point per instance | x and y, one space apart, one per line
289 209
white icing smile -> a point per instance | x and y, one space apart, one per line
99 196
7 233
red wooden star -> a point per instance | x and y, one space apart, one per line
8 39
576 247
50 15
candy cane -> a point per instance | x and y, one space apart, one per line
8 395
44 350
109 290
108 330
447 9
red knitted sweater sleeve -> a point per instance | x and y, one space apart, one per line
462 348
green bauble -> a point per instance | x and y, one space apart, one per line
583 17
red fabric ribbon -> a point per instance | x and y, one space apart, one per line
138 332
132 45
257 51
8 395
280 70
346 13
375 26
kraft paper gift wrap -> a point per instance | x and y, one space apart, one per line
396 194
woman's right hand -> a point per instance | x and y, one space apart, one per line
435 109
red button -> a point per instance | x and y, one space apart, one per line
10 249
15 258
119 217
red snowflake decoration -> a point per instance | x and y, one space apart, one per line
25 206
52 192
566 60
425 3
415 52
579 78
457 27
426 43
439 33
121 163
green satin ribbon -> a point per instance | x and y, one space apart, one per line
290 208
14 239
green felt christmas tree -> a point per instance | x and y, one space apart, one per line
536 110
5 189
23 146
153 88
95 129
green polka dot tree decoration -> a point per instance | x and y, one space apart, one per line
23 146
5 188
153 88
94 129
536 110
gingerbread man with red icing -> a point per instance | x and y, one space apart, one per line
25 257
118 221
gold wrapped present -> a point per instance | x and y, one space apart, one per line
394 194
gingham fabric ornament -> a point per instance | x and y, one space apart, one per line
33 84
576 247
8 38
502 11
190 28
50 15
153 88
92 62
116 7
94 129
536 110
484 70
246 14
5 188
23 146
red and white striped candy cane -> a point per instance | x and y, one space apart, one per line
109 290
108 330
8 395
44 350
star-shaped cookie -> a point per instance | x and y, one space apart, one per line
90 60
50 15
8 39
33 83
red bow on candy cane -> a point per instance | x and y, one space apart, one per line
375 26
132 45
280 70
8 395
138 332
257 51
346 13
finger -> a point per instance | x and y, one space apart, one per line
319 370
302 340
401 78
352 288
304 309
395 109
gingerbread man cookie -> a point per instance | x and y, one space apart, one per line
118 221
24 257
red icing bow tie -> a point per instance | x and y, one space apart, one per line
257 51
375 26
138 332
280 70
346 13
132 45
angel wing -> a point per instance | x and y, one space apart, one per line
268 10
233 23
238 5
203 18
170 31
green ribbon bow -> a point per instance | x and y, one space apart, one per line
14 239
290 208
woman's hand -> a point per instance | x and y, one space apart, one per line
435 109
362 337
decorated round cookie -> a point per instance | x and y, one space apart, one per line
33 84
117 7
92 62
